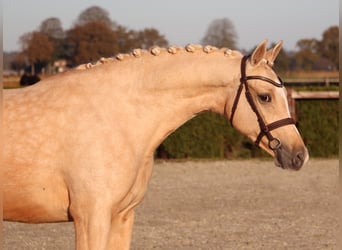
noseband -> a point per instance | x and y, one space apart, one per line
265 130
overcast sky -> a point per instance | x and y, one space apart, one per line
184 21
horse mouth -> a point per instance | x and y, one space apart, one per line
293 160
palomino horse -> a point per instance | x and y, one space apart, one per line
79 145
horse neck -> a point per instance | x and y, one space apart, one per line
171 89
188 77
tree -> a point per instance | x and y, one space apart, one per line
307 55
52 27
126 39
131 39
19 62
91 41
309 45
221 33
37 47
93 14
328 47
150 37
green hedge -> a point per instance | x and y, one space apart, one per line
211 136
318 125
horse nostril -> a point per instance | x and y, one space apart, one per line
298 160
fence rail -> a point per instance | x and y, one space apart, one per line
323 81
293 95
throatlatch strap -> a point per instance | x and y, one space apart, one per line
238 93
236 101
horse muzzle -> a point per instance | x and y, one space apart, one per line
291 159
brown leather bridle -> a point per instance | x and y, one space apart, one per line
265 130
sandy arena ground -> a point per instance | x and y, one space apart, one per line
219 205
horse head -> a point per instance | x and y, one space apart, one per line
262 112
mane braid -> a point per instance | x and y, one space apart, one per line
156 51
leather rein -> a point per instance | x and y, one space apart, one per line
265 129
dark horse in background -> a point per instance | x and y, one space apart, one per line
29 79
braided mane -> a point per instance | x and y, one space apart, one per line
156 51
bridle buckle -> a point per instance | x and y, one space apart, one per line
274 144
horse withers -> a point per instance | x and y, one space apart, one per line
79 145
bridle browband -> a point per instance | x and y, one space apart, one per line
265 130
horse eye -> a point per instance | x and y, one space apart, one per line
265 98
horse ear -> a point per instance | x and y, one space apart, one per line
259 53
272 54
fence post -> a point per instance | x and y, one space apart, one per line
292 104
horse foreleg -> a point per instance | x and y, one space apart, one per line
121 230
92 227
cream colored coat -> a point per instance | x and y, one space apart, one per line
79 145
